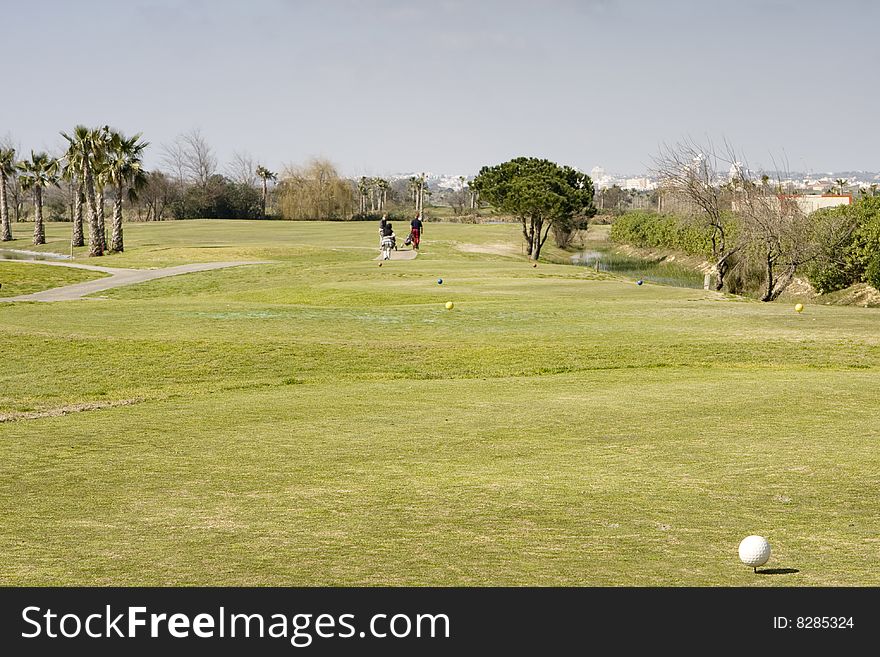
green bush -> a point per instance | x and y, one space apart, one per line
652 230
872 273
218 199
853 257
827 276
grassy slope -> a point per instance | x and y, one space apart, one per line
24 278
321 420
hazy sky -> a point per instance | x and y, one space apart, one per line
447 86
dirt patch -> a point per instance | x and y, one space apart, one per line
861 294
65 410
800 287
405 254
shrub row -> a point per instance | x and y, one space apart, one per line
853 257
652 230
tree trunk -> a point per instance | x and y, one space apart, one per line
541 239
5 227
536 239
782 282
76 238
528 231
99 197
263 200
768 291
39 230
721 268
116 243
95 248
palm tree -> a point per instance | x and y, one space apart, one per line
841 184
413 190
36 174
124 171
265 176
102 138
74 179
383 186
362 186
7 170
422 188
85 153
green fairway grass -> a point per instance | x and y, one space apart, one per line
25 278
322 420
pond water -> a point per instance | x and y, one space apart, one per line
18 254
656 271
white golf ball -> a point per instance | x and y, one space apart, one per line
754 551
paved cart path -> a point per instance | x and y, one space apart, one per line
117 278
402 255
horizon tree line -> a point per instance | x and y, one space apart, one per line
101 164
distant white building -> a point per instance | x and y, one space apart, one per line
600 178
639 184
811 202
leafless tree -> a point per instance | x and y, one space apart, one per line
242 169
173 160
17 198
692 172
458 199
777 233
190 158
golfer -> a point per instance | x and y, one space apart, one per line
416 230
382 223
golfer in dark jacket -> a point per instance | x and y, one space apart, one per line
416 231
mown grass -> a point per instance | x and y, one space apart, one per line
25 278
321 420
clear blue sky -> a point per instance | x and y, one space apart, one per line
447 86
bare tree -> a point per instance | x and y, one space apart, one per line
17 199
242 169
190 158
779 235
691 171
173 160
